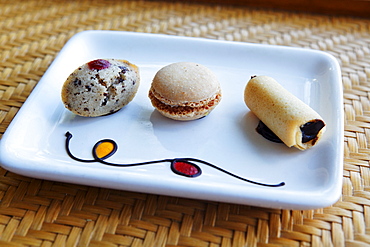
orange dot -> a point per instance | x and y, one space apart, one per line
104 149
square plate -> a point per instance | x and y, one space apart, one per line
34 143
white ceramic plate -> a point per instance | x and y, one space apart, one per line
34 143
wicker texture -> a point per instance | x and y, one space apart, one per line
36 212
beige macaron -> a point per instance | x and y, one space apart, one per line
185 91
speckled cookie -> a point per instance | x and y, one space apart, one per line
100 87
185 91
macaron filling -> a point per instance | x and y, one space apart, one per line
189 110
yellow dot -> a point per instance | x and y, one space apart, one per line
104 149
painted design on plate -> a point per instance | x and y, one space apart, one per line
186 167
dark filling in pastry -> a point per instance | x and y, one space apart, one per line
309 131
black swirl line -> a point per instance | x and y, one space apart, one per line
188 168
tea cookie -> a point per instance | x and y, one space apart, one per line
100 87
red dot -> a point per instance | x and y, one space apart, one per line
186 168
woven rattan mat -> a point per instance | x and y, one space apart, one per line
36 212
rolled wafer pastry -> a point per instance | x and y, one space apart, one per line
290 119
